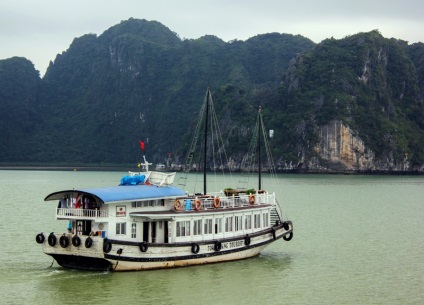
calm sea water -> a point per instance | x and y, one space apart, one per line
357 240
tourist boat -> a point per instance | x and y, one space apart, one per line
147 223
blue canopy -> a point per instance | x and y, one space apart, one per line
123 193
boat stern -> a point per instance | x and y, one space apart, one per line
75 251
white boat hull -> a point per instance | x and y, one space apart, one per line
130 256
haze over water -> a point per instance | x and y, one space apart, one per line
357 240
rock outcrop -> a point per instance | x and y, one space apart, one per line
340 149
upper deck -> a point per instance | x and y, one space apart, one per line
142 204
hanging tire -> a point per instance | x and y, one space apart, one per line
63 241
289 237
247 240
88 242
39 238
107 246
217 245
286 226
144 246
76 241
52 240
195 248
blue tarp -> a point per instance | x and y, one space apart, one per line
132 180
123 193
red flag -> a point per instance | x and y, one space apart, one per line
141 145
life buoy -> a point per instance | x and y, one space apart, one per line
217 245
107 246
144 246
247 240
39 238
274 236
195 248
216 202
76 241
252 199
52 240
63 241
88 242
286 226
177 205
197 204
289 237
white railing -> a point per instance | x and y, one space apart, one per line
234 201
81 213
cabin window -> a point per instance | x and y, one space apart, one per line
229 224
136 204
265 221
218 225
238 223
121 228
207 229
133 230
183 228
197 227
257 220
248 222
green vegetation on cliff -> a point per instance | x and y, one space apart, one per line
140 80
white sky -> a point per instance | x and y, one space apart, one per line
40 29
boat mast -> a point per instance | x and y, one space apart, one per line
206 140
259 148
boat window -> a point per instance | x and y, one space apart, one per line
136 204
148 203
121 228
183 228
218 225
238 223
248 222
266 220
228 224
133 230
208 226
257 221
197 227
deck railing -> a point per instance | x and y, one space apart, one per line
81 213
232 201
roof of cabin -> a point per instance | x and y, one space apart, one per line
122 193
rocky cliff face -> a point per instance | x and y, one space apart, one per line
340 149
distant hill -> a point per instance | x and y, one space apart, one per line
139 80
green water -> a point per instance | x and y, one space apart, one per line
358 240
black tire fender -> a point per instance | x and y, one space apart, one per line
195 248
289 237
143 246
247 240
64 241
88 242
217 245
107 246
52 240
40 238
76 241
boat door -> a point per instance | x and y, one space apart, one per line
149 231
83 227
153 231
146 231
165 232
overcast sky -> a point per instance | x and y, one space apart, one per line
40 29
